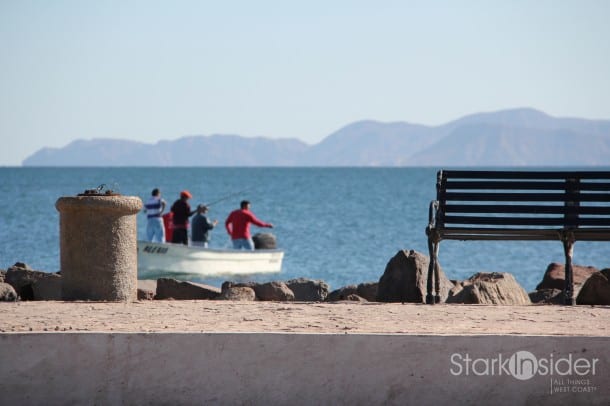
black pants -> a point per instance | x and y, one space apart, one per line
180 236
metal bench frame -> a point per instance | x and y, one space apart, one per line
518 205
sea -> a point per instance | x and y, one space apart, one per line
340 225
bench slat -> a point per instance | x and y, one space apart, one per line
521 197
464 233
524 185
466 174
526 209
526 221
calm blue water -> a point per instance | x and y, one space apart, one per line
341 225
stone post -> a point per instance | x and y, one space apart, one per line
98 247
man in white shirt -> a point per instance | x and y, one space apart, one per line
154 208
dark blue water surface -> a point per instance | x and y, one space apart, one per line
341 225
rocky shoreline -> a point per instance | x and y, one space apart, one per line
403 281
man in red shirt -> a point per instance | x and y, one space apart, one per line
238 226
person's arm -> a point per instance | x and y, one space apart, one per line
228 225
163 204
258 222
211 224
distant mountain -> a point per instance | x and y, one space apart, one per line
370 143
516 137
214 150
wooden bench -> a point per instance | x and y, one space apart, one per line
518 205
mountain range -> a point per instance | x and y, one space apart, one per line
515 137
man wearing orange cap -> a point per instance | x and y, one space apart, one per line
182 211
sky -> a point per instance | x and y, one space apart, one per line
160 70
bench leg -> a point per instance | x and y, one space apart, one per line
568 248
433 273
437 277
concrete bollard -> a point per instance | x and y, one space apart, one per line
98 246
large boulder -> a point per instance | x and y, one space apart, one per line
342 293
547 296
47 288
274 291
230 284
405 279
308 290
22 278
238 293
368 290
270 291
353 298
497 288
2 275
265 241
145 294
554 277
146 289
7 293
168 288
596 290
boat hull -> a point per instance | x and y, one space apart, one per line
162 259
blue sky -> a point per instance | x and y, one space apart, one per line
153 70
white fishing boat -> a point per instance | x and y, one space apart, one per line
167 259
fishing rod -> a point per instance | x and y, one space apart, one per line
223 198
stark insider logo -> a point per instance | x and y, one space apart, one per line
522 365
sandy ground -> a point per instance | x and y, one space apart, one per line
296 317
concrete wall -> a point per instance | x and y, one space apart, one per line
294 369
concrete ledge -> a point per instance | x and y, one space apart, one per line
295 369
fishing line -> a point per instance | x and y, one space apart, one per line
225 197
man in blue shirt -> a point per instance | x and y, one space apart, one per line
200 227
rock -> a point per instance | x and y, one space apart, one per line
172 288
238 293
355 298
405 279
264 241
498 288
2 275
230 284
21 265
146 289
22 278
7 293
145 294
274 291
269 291
596 290
547 296
47 288
147 284
342 293
554 277
308 290
352 297
368 291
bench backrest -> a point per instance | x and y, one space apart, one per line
523 199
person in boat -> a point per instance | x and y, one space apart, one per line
201 226
238 226
182 211
154 207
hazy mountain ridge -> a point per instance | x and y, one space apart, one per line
517 137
